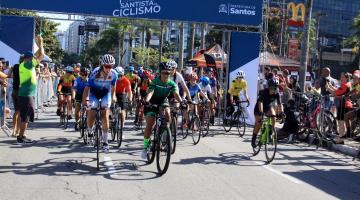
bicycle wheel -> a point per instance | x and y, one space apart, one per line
97 144
184 132
163 152
257 149
119 131
66 119
195 129
326 126
173 133
271 145
152 148
240 123
227 121
205 123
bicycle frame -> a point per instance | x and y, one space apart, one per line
265 129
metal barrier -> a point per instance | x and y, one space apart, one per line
3 124
45 92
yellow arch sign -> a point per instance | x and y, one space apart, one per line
295 11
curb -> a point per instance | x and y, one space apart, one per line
340 148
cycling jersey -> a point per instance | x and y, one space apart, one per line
161 90
206 89
144 85
80 85
237 86
194 89
268 100
213 82
67 80
133 78
123 86
100 87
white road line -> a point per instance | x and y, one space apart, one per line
110 166
290 178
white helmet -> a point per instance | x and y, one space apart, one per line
120 70
107 59
172 64
240 74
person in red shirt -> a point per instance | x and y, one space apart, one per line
344 105
123 91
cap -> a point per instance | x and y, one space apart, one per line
28 54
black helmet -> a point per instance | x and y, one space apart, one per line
273 82
165 66
84 70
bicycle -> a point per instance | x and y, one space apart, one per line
204 118
116 125
83 124
268 138
173 126
98 132
194 124
237 118
160 142
139 124
64 112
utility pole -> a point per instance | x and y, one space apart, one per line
161 41
305 45
203 36
181 46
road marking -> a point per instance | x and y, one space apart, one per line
292 179
110 166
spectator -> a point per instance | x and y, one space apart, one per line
324 79
344 105
16 79
27 89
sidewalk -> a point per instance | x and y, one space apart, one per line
350 147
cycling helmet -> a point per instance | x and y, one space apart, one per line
107 59
172 64
193 76
165 66
78 64
274 82
84 70
69 69
147 73
119 70
240 74
209 70
204 81
130 69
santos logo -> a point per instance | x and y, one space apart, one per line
136 7
236 9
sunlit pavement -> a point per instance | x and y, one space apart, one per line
221 166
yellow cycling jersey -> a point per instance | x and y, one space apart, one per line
237 86
356 87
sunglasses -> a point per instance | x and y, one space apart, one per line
108 66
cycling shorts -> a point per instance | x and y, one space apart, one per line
105 101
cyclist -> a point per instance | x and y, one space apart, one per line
134 80
143 87
178 79
123 91
268 103
158 91
77 68
79 86
194 90
209 72
65 86
101 85
238 85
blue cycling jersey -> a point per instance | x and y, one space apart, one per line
194 89
213 82
101 86
80 85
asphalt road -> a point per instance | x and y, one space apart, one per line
221 166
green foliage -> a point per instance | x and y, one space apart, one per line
312 38
145 56
354 40
70 59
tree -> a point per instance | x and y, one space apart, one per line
354 41
70 59
312 38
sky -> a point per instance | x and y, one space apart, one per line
64 24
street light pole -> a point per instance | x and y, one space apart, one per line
305 46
